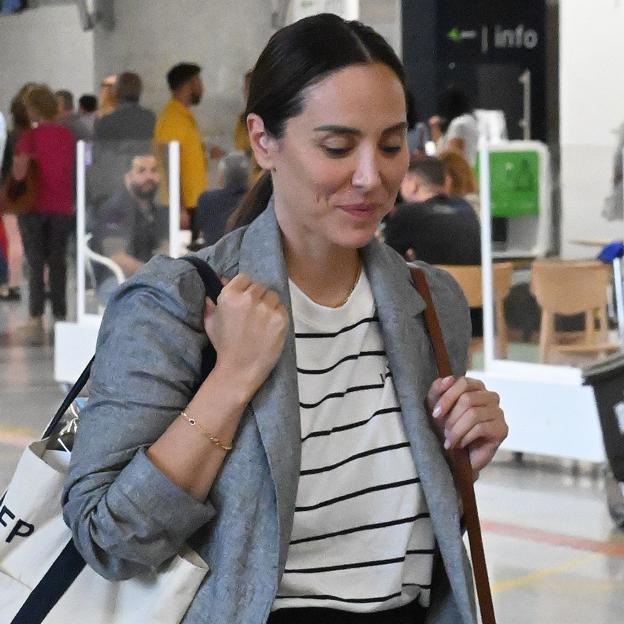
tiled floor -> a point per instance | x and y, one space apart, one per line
553 554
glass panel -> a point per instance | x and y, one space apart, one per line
552 297
126 214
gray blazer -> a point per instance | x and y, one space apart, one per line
127 517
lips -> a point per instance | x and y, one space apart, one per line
360 211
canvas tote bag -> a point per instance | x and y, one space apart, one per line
43 578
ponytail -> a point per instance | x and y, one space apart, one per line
253 203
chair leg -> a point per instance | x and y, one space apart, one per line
546 332
501 331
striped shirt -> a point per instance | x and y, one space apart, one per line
362 538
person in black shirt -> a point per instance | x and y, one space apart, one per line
130 227
430 225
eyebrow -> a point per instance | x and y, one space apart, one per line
354 131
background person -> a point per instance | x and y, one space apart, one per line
69 118
106 99
215 206
20 122
131 227
87 109
176 122
129 120
334 494
455 126
45 230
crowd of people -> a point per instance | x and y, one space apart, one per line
124 135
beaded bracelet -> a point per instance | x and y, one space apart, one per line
205 432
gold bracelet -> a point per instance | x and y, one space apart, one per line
210 436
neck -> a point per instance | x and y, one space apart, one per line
327 275
183 99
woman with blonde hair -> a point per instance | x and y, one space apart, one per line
49 149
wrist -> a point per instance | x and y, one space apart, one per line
232 384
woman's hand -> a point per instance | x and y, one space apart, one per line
247 328
468 415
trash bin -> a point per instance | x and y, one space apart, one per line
607 379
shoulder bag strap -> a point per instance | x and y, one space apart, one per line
460 459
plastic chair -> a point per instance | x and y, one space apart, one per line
572 287
469 279
92 257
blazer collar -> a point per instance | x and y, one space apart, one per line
276 404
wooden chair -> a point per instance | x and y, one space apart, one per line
572 287
469 279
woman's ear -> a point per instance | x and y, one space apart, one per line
264 145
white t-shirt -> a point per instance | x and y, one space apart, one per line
362 538
464 127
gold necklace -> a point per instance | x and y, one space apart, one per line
357 279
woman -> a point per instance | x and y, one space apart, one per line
335 490
45 230
20 122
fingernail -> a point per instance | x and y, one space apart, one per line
447 379
437 410
447 444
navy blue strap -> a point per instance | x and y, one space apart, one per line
56 581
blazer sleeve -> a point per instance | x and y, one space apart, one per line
126 516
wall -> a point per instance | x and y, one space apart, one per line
45 44
224 37
591 97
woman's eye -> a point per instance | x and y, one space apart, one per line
335 152
391 149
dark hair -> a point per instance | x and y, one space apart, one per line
452 103
88 103
430 169
295 58
180 74
128 87
67 97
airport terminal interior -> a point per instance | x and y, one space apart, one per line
541 180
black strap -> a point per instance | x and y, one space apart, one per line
56 581
68 565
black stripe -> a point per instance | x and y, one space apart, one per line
372 319
365 527
337 395
376 488
359 423
381 449
416 585
60 575
339 599
346 566
421 551
355 356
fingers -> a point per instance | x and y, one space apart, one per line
447 400
438 388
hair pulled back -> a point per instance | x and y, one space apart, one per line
295 58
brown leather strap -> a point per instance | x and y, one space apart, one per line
460 460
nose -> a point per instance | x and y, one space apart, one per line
366 175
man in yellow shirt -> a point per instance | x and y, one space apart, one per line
177 123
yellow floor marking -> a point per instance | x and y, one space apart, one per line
538 575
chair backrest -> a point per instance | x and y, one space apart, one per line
469 279
570 286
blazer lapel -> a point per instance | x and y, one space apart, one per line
276 404
400 307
